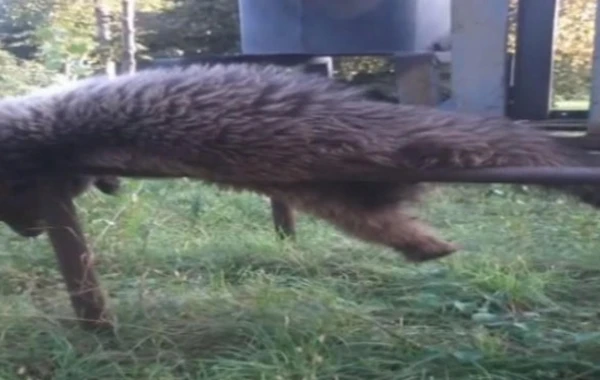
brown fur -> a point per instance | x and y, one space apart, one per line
21 201
303 139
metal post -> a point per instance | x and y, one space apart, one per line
416 79
532 89
479 33
594 115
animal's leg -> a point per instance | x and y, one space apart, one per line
414 238
374 212
74 257
391 226
283 219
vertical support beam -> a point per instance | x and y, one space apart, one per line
416 79
594 115
532 91
479 34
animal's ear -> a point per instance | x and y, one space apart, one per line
108 185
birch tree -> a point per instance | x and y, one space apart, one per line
128 27
104 36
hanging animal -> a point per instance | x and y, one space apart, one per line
319 145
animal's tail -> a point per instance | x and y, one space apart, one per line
423 139
451 141
436 139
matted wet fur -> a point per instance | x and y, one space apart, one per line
301 138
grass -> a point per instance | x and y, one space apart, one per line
572 105
201 289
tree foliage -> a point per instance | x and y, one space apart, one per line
19 76
574 49
191 26
61 34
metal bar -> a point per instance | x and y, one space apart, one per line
594 115
533 61
523 175
281 59
568 114
556 125
519 175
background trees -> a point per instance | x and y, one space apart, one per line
65 37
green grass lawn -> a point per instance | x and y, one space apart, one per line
569 105
201 289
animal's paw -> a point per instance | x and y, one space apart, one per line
427 248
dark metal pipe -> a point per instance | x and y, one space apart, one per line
578 175
520 175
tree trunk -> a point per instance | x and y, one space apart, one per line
104 36
129 49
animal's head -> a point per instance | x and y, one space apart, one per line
21 206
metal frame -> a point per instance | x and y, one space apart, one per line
594 110
535 175
532 89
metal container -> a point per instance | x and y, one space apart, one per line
351 27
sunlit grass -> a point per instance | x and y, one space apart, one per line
201 289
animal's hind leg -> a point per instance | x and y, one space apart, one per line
417 240
394 227
375 213
283 219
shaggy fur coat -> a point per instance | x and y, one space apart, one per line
317 144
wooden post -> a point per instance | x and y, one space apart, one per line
416 79
594 116
479 35
74 258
